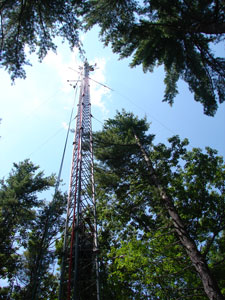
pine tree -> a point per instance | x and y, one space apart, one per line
29 227
34 24
176 34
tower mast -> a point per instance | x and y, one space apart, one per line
79 269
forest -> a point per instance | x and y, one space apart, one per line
161 220
160 206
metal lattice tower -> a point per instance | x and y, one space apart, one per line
79 270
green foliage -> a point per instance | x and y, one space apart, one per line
18 201
118 134
28 230
141 254
29 26
39 257
178 35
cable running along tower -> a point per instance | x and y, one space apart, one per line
79 269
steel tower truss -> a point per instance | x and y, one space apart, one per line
79 270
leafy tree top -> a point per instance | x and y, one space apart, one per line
32 26
178 35
19 202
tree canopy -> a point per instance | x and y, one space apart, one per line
143 235
161 220
29 226
178 35
29 26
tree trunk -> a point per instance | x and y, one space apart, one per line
210 285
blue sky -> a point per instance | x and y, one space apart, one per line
35 111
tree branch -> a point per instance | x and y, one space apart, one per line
211 28
23 4
2 38
210 242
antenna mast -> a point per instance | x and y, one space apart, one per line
79 269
